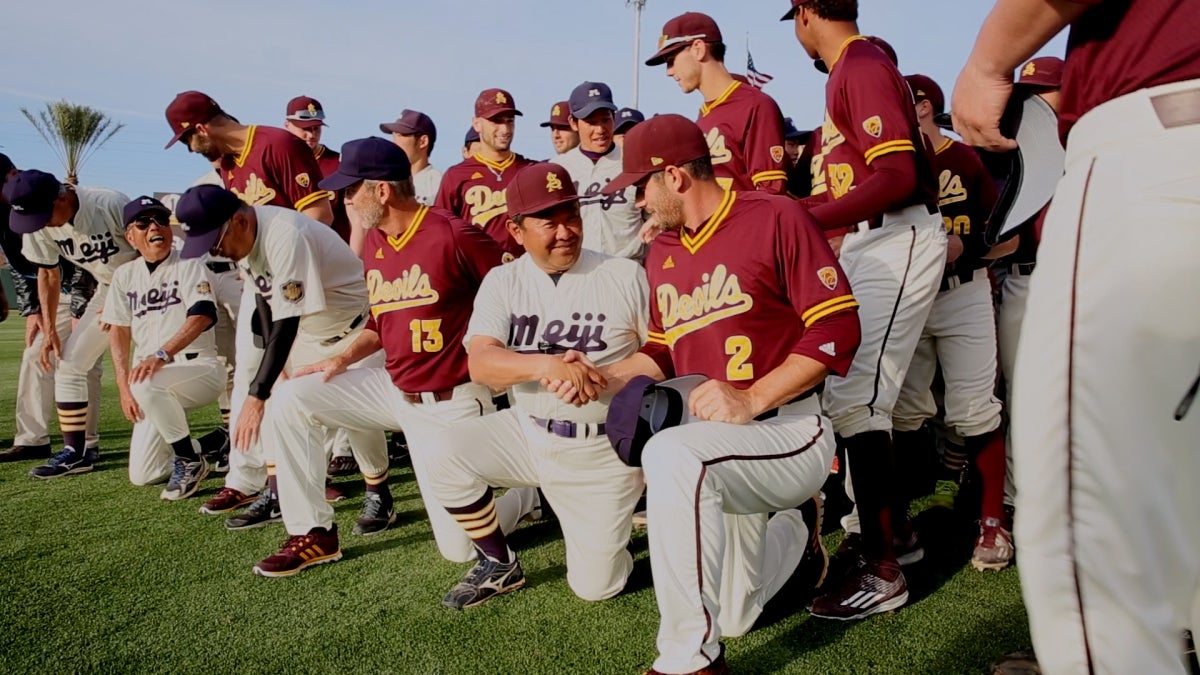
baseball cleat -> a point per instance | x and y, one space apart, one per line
870 587
20 453
342 466
320 545
718 667
67 462
639 520
221 464
185 479
377 514
226 500
264 511
814 566
333 494
993 548
486 579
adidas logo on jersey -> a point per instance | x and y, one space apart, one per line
828 348
669 263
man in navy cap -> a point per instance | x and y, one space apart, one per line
470 143
627 118
84 226
416 135
610 222
309 303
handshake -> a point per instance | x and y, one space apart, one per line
574 378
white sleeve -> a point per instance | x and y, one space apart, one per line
641 303
491 316
295 274
111 208
196 285
116 306
40 249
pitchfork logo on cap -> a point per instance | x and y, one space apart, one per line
553 183
557 111
501 98
1029 70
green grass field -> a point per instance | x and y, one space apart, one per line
98 576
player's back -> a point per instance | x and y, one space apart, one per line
744 130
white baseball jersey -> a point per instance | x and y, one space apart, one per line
303 268
598 307
610 222
426 182
154 301
93 240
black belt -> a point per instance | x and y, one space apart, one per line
1178 109
338 338
569 429
955 280
220 267
1021 269
877 222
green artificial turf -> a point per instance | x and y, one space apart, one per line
97 575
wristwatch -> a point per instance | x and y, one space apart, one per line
163 356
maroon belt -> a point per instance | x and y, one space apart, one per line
439 396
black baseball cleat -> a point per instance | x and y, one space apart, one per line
377 514
67 462
264 511
486 579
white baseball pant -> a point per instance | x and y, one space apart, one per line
366 399
165 400
81 353
1014 294
1106 475
715 557
592 493
227 290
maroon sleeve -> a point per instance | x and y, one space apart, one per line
893 181
297 171
818 289
880 105
477 253
766 162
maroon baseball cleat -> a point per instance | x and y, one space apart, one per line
226 500
320 545
718 667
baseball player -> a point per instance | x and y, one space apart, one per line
416 135
471 144
166 307
626 119
305 119
1104 430
82 225
35 387
558 298
744 126
960 335
610 222
762 444
474 190
563 136
876 182
309 303
423 267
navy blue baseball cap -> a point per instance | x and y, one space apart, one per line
471 137
368 159
202 211
32 195
628 118
589 97
643 408
791 133
143 205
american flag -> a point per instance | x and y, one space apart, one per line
757 80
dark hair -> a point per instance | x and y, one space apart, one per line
835 10
700 169
717 51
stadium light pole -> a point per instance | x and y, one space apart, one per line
638 6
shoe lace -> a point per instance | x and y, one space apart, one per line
372 506
65 455
263 501
482 570
179 471
297 542
991 531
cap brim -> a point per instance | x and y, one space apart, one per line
175 139
589 109
819 64
625 127
161 210
944 120
660 57
791 14
307 124
338 181
554 124
196 245
623 181
503 111
28 223
394 128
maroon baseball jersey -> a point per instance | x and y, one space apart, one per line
474 190
744 130
329 161
754 284
869 113
966 197
422 287
274 169
1117 48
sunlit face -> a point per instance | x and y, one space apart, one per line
658 200
497 132
684 66
364 205
595 131
563 138
310 135
150 233
553 238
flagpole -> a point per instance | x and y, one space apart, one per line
638 6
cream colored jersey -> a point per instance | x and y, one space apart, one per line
156 300
610 222
304 269
426 182
93 240
598 307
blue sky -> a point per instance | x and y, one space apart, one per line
366 60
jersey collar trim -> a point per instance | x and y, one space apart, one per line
320 150
709 107
842 49
944 146
693 242
398 243
498 166
241 159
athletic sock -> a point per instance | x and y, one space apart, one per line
988 453
479 521
225 417
377 483
72 421
954 460
272 482
872 468
184 449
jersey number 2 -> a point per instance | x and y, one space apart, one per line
738 348
426 335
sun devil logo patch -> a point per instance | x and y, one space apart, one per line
777 153
303 180
553 184
501 98
292 291
557 111
873 125
828 277
1029 70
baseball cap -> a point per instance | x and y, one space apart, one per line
189 109
681 32
493 102
790 132
305 112
142 205
589 97
411 123
31 194
560 115
202 211
925 89
471 137
653 145
6 165
887 48
643 408
628 118
371 158
1044 72
538 187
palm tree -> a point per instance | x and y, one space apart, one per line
73 132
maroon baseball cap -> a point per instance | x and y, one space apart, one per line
305 112
492 102
1044 72
560 115
925 89
539 187
653 145
681 32
411 123
189 109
